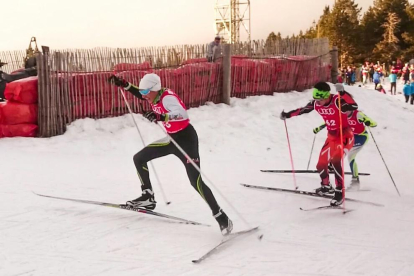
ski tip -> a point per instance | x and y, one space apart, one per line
260 237
195 261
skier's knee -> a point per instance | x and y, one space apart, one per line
138 161
321 166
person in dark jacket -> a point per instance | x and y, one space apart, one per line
406 74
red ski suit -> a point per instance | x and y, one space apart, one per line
332 149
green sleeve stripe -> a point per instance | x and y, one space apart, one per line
158 144
200 191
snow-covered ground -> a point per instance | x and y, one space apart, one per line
93 160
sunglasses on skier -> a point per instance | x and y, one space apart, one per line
146 91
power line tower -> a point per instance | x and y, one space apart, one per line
231 16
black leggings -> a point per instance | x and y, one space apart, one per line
394 85
188 141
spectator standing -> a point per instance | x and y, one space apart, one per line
399 66
407 91
371 72
353 75
406 74
412 93
412 72
348 75
393 80
365 73
214 50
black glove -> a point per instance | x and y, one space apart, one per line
284 115
118 81
319 128
316 130
153 117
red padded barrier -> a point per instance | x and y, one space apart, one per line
23 130
22 91
18 113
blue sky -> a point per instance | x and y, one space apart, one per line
138 23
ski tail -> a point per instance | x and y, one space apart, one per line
306 171
307 193
327 207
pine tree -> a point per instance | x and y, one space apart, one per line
311 32
322 28
408 35
271 40
388 49
373 22
343 29
371 32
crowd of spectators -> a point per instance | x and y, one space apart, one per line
376 74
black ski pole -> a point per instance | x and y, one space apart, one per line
313 144
373 139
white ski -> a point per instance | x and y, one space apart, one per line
227 239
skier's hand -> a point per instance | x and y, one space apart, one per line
117 81
283 115
370 123
153 117
316 130
319 128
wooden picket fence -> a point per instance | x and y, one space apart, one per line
73 83
103 59
14 60
66 95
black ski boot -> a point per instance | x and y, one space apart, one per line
325 189
146 200
337 199
226 225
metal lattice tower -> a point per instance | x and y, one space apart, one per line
231 16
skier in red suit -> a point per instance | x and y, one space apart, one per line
327 105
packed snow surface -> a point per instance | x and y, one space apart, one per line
93 160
